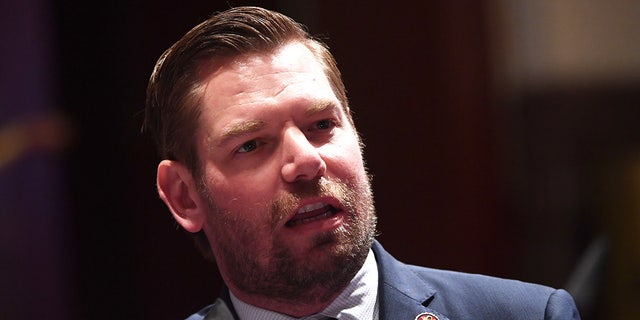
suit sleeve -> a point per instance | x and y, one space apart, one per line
561 307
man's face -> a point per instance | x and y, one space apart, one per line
290 212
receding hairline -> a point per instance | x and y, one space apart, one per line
208 65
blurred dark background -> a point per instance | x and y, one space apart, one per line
502 136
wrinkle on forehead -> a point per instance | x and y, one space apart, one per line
284 59
249 92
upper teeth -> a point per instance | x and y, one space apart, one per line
311 207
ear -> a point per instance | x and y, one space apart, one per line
177 189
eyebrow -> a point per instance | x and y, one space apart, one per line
319 107
240 129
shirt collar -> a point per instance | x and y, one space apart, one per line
358 301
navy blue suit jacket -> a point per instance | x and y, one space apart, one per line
406 291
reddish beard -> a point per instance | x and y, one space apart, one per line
285 276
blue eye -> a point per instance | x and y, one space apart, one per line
325 124
248 146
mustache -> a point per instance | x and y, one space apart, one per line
323 187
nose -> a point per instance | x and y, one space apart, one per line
302 161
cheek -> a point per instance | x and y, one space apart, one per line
240 193
346 161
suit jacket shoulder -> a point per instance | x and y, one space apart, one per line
406 291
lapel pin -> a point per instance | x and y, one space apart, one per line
426 316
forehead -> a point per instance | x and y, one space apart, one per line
289 72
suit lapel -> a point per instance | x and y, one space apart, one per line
402 294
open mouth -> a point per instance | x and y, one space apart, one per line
312 212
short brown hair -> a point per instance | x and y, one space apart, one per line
174 90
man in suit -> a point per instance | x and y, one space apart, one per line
263 164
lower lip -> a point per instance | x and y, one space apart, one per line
323 224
